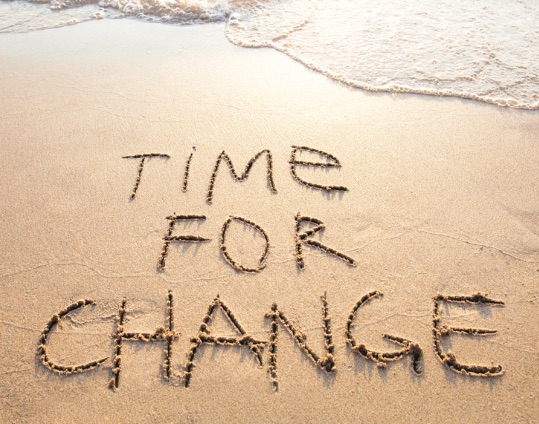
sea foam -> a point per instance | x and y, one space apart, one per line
484 50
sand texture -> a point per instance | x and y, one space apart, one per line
126 275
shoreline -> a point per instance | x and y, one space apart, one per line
439 201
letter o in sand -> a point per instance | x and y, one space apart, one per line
234 264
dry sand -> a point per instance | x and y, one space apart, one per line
443 199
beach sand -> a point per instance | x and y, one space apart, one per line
442 200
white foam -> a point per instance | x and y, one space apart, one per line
483 50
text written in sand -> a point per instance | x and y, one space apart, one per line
329 161
302 234
265 350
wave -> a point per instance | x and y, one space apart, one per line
484 50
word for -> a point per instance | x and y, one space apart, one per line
331 162
325 361
301 238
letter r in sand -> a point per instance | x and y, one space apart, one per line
302 238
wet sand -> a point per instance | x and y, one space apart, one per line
441 199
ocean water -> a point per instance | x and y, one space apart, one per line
484 50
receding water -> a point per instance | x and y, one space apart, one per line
484 50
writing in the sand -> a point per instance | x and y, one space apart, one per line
265 350
305 227
330 161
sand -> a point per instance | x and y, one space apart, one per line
441 200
